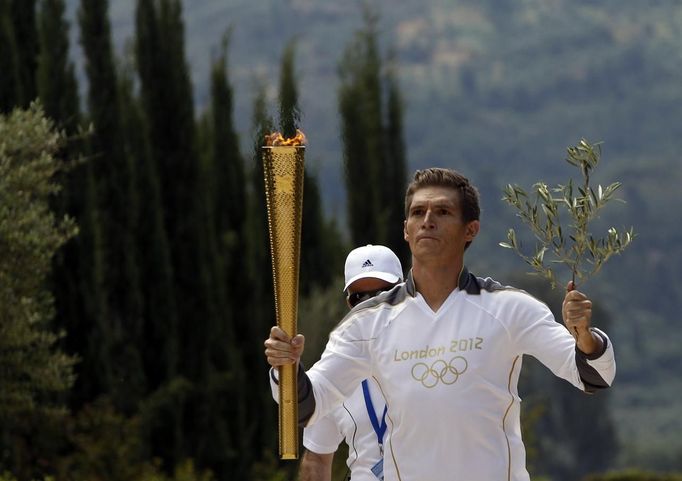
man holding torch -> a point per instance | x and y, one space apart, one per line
446 349
369 271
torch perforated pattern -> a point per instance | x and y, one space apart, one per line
283 168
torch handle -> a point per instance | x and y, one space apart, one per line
288 413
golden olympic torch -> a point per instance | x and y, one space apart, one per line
283 161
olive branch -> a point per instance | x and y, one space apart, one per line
542 211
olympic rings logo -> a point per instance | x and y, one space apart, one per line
440 371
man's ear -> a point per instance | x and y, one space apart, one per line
472 229
405 236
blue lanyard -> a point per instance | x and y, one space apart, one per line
378 429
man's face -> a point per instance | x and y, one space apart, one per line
367 285
434 227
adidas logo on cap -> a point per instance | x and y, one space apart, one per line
367 263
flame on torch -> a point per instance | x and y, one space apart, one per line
277 139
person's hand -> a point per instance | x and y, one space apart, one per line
280 349
577 313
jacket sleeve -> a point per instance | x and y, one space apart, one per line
342 367
535 332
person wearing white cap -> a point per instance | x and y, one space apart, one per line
361 420
368 271
446 349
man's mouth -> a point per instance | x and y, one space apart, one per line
426 237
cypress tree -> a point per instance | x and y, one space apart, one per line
374 148
164 418
85 334
362 131
9 80
224 183
26 41
160 411
156 270
121 326
361 220
56 80
371 88
167 102
228 189
58 94
166 96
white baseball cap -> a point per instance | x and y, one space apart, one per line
378 262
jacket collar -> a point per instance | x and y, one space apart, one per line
467 282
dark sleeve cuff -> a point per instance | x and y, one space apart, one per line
306 398
588 375
304 388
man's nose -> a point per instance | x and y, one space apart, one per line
429 220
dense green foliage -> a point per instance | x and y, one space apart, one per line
34 374
160 295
